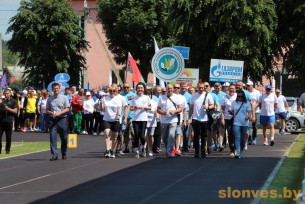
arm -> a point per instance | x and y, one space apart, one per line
275 106
287 106
190 114
222 114
253 111
184 116
119 112
12 110
161 112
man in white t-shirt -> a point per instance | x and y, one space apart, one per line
169 106
280 112
198 117
255 95
268 104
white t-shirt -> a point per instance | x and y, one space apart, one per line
239 118
165 104
43 104
88 105
227 101
140 114
268 102
197 99
98 103
280 104
111 108
152 115
184 105
255 94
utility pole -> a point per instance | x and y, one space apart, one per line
86 15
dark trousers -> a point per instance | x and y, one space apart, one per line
157 137
139 128
128 131
231 137
99 123
185 138
200 131
83 124
253 133
21 118
88 118
7 128
17 123
58 126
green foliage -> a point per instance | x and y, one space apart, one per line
131 25
47 37
8 58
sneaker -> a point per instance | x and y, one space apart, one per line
137 154
31 130
232 154
151 154
272 143
242 155
221 148
254 142
249 142
101 134
178 153
112 155
21 129
266 142
35 129
173 152
24 130
143 153
107 154
237 156
282 132
121 152
84 132
94 133
246 146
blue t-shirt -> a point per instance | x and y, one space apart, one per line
248 95
95 98
129 97
220 95
155 98
187 96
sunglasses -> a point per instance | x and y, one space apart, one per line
176 87
268 89
206 85
163 91
278 92
112 91
126 87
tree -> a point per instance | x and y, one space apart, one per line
227 29
47 37
130 27
291 34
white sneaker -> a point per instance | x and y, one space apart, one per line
246 146
35 129
101 133
137 154
24 130
121 152
112 155
31 130
94 133
84 132
151 154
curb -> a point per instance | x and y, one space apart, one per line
274 172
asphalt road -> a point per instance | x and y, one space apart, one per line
88 177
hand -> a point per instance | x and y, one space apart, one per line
222 122
205 107
125 122
189 122
172 112
118 117
184 123
302 112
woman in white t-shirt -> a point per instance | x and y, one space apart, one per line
152 117
88 108
112 107
140 104
226 117
242 112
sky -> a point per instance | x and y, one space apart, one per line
8 9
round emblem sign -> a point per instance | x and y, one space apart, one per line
167 64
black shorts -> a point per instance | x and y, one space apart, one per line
30 115
113 126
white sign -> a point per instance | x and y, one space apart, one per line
167 64
190 76
226 70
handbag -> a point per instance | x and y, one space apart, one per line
178 115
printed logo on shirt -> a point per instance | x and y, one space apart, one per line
130 98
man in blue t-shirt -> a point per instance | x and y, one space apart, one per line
129 96
218 130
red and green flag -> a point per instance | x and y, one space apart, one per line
132 67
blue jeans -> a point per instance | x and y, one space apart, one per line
44 118
58 126
168 135
240 135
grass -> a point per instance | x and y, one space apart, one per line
290 175
20 148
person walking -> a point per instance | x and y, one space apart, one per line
77 108
140 105
57 108
268 105
8 109
169 106
281 111
242 113
88 114
112 107
42 110
200 102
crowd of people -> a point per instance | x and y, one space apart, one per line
204 118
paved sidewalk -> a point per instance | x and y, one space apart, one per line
87 177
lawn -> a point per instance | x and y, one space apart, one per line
20 148
290 175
